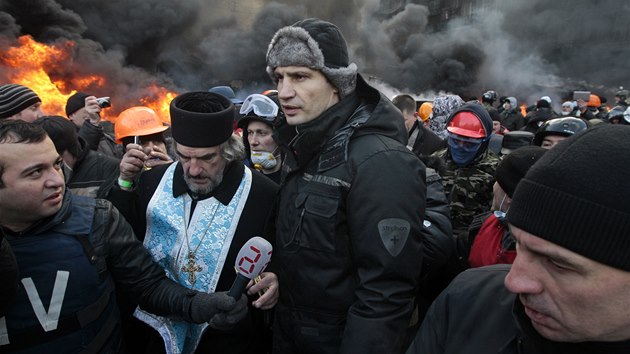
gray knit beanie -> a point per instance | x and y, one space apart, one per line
318 45
577 196
16 98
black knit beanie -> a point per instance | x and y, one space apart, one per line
514 166
63 134
75 103
16 98
577 196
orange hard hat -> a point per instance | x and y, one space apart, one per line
137 121
466 124
424 111
594 101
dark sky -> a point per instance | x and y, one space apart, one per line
523 48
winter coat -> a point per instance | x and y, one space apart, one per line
536 118
512 119
437 231
89 242
477 314
348 238
99 140
437 240
9 275
93 174
491 242
426 141
468 188
443 106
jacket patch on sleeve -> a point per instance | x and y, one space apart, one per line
394 233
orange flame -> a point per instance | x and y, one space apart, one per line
31 64
159 100
28 61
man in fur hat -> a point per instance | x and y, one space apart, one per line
348 245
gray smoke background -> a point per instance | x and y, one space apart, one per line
525 49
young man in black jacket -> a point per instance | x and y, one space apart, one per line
568 290
422 141
69 251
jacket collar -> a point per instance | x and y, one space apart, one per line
46 223
314 134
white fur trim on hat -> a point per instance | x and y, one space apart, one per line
294 46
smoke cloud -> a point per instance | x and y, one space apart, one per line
523 49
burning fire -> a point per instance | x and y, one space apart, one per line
524 109
43 68
160 101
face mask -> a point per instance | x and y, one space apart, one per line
501 215
564 113
264 159
463 154
506 106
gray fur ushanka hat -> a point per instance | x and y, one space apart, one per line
318 45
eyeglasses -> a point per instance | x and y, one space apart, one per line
262 106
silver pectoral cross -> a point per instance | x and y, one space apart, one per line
191 268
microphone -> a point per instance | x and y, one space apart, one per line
251 260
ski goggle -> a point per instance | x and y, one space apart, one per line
262 106
465 143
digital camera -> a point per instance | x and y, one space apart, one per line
104 102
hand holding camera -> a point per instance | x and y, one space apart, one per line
93 107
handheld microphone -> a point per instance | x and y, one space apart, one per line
250 262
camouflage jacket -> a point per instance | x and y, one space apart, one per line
468 189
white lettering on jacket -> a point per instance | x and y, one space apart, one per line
4 334
49 319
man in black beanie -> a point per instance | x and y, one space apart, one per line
348 245
194 215
568 290
84 111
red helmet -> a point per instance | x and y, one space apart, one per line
467 124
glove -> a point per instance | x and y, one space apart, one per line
220 310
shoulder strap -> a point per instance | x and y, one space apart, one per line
335 151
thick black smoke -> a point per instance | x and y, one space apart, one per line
522 48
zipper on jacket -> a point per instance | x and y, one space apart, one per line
296 230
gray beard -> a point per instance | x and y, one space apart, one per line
214 182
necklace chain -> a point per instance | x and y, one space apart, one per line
191 267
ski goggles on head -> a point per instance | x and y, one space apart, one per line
261 105
465 143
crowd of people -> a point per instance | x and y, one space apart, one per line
397 226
